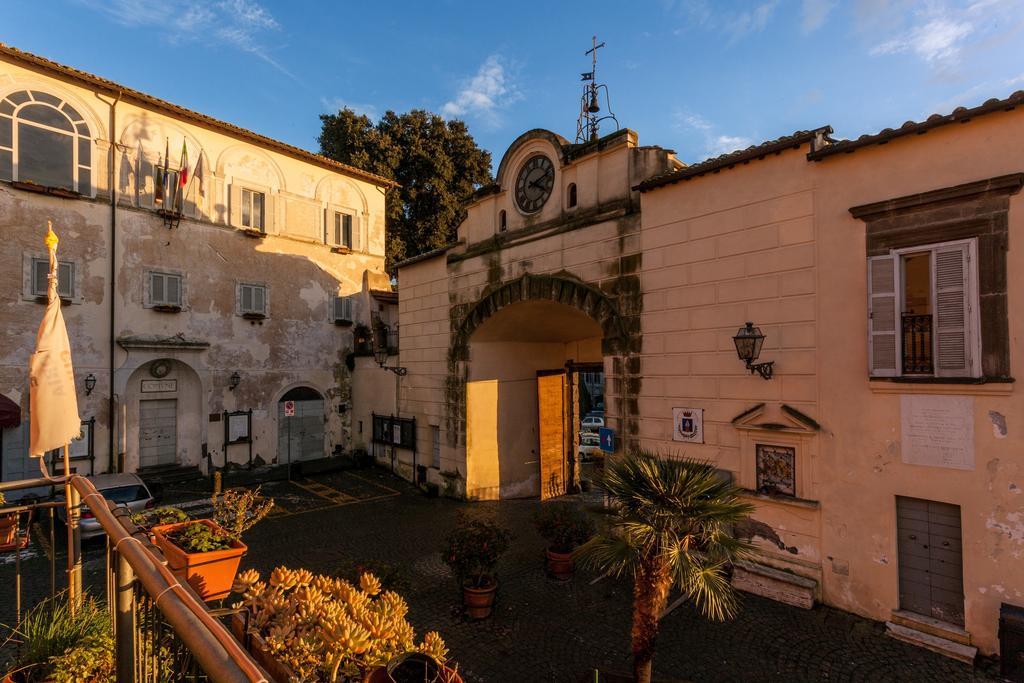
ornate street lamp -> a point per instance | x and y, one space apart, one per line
234 380
90 383
381 335
748 341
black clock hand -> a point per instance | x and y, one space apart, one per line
536 182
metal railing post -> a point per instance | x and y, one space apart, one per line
125 632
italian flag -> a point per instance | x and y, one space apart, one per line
183 173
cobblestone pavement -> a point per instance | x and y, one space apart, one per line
541 630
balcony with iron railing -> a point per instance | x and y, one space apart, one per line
162 630
917 344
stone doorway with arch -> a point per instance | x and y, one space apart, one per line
164 402
514 382
300 425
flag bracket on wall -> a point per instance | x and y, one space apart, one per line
170 218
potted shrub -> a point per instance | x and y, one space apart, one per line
564 526
207 552
55 645
323 629
9 539
472 551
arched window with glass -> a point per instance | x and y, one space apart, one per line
44 140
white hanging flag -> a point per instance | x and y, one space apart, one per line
53 402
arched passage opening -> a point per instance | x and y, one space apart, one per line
300 425
516 382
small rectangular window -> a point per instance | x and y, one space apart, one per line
164 289
65 278
435 438
253 299
340 234
252 209
342 309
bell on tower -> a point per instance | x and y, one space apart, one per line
590 105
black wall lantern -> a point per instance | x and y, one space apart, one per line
234 380
90 383
749 341
381 348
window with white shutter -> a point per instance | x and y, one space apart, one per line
923 312
252 299
340 229
342 309
253 209
165 289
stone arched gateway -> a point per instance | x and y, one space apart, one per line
576 303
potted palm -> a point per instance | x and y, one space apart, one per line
564 526
472 551
671 523
207 552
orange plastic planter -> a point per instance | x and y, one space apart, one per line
210 574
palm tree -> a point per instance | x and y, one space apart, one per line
671 525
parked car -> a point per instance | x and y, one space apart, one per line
590 446
125 490
591 423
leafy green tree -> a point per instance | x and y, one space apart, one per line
671 525
437 163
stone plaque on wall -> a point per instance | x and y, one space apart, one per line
937 431
158 385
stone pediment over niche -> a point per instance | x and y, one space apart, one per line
776 418
177 341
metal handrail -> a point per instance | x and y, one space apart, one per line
216 650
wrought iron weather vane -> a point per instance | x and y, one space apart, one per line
590 106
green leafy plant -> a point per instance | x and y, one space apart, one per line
563 525
671 524
323 627
472 549
238 510
161 515
197 537
55 644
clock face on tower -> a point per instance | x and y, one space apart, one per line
534 184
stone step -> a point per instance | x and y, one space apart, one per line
935 627
944 646
776 584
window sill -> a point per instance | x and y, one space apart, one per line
251 232
44 189
941 385
254 316
337 249
783 500
166 309
43 299
342 322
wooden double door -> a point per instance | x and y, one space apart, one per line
930 559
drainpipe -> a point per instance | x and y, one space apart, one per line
112 464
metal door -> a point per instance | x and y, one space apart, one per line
158 432
930 559
15 461
301 435
551 419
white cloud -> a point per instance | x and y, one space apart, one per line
750 21
241 24
704 15
485 94
939 40
813 14
332 105
715 143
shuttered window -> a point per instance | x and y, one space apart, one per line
923 312
252 299
253 209
342 309
164 289
65 278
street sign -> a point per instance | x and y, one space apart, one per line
607 436
289 408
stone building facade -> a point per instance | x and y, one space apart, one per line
881 454
238 293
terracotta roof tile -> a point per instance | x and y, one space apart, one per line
958 115
181 112
816 136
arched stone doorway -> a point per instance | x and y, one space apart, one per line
512 390
300 425
164 400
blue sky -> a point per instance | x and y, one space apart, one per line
697 76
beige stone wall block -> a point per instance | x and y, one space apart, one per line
754 239
795 362
797 282
796 231
722 364
665 321
748 289
687 342
677 364
731 316
689 252
789 309
778 260
719 269
750 388
654 238
798 336
691 388
799 388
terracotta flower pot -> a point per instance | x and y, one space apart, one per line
560 565
479 601
7 530
210 574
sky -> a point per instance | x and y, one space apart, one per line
700 77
